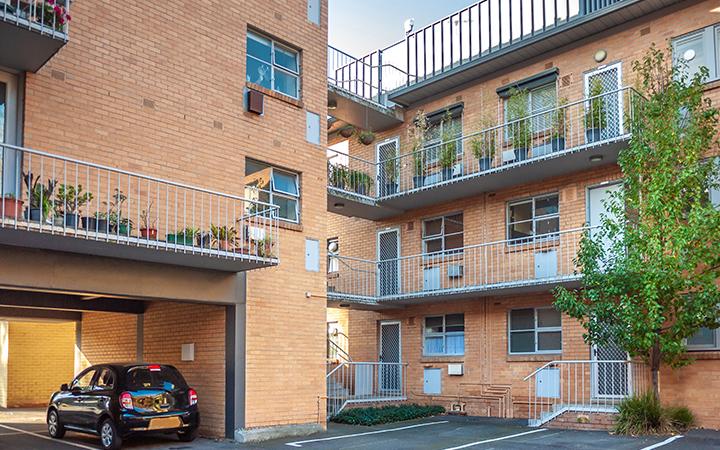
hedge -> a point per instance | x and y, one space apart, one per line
386 414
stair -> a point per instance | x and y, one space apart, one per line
558 409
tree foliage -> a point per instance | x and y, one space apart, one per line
650 271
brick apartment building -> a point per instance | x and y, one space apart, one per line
443 255
197 132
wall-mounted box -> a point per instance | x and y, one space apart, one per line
455 369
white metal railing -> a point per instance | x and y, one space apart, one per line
539 259
565 128
49 17
364 382
338 345
42 192
582 386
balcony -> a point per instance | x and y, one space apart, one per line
569 138
476 41
57 203
32 31
499 267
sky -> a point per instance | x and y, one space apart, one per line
358 27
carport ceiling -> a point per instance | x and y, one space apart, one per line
66 302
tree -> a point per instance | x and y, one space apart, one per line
650 270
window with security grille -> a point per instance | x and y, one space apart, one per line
537 216
444 335
534 330
272 65
443 234
279 187
443 124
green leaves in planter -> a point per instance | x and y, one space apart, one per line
386 414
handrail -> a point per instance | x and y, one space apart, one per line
574 361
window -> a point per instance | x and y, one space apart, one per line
439 126
333 251
83 381
105 381
444 335
534 330
533 217
542 98
443 234
704 339
272 185
272 65
154 377
699 48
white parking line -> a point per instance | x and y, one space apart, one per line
502 438
41 436
665 442
345 436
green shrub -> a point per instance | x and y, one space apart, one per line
643 414
386 414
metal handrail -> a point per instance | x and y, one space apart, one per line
573 361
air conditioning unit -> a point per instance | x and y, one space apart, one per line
455 271
455 369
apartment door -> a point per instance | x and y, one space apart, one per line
390 372
9 158
388 251
597 208
609 123
388 168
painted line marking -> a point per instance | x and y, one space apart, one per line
345 436
48 438
502 438
665 442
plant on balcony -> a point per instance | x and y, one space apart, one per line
366 137
448 145
338 176
11 207
596 112
390 175
116 221
360 181
265 247
346 131
223 238
183 236
558 128
484 144
69 202
55 15
148 229
520 130
650 270
41 197
417 136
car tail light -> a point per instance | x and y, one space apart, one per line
154 368
126 401
192 397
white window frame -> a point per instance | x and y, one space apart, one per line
535 119
272 192
705 347
273 65
710 37
536 329
444 334
535 218
425 237
333 265
432 146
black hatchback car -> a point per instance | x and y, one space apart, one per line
117 400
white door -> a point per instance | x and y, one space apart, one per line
388 254
388 168
610 123
597 205
390 373
9 158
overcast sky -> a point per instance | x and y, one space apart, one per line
361 26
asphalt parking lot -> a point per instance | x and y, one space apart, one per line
441 433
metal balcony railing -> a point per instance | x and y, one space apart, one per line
509 263
47 17
364 382
476 32
582 386
56 195
566 128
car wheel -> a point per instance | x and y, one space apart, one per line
109 436
188 435
55 429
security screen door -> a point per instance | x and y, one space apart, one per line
390 374
610 78
388 250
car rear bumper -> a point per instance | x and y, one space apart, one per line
134 423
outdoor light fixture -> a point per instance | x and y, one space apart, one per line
339 205
332 104
600 56
344 305
596 158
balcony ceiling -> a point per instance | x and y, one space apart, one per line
25 50
362 113
529 48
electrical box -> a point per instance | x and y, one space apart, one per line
455 369
255 102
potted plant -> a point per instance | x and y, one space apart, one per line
559 127
184 236
346 131
265 247
361 182
148 221
366 137
68 204
54 14
223 238
595 113
484 144
41 203
390 175
116 221
520 132
417 134
448 147
338 176
11 206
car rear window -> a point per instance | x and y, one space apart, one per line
155 377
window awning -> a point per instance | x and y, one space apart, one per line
531 82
